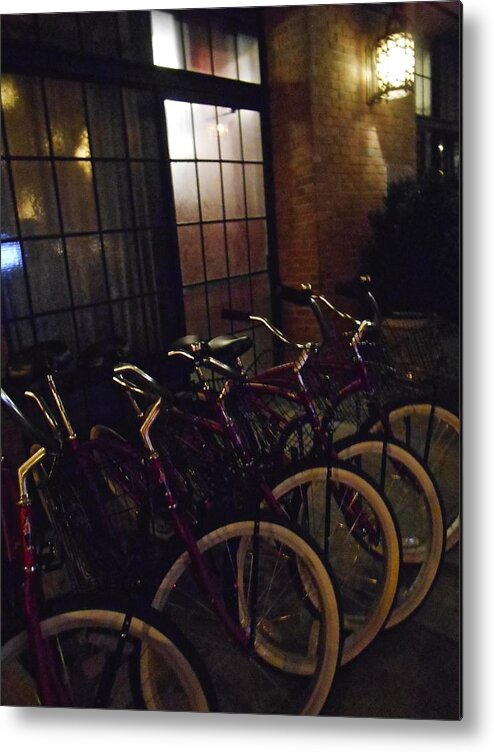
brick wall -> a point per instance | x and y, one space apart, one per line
333 153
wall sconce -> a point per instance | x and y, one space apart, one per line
392 61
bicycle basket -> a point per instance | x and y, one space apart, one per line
406 347
99 510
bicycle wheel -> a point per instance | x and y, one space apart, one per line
348 517
84 639
269 581
412 493
433 432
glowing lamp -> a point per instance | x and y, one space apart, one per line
393 62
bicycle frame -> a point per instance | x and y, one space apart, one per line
160 473
51 690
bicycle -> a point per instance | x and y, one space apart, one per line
278 411
255 554
84 653
384 377
208 442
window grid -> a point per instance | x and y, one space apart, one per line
15 325
189 23
250 276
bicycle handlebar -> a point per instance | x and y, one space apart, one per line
233 314
51 443
357 289
298 296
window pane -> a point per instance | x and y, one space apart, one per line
35 197
141 124
167 40
233 189
57 326
251 135
258 244
77 196
210 190
205 131
248 59
8 216
218 298
214 249
229 132
45 264
121 258
152 305
106 124
13 282
112 182
86 270
135 36
129 324
427 98
240 290
254 184
224 53
196 46
67 121
196 319
419 95
179 130
148 194
93 324
21 334
261 296
238 257
185 191
23 110
147 248
189 240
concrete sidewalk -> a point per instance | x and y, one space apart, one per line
413 670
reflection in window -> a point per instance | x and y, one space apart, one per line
197 42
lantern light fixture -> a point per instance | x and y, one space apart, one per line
393 61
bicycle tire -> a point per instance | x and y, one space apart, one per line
368 597
413 495
82 631
296 647
409 423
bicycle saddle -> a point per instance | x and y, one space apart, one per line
106 352
33 363
229 347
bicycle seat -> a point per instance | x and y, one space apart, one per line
33 363
186 343
105 352
229 347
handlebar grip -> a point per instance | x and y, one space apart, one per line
354 288
298 296
231 314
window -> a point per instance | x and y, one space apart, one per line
437 84
107 228
423 80
218 184
82 214
205 42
